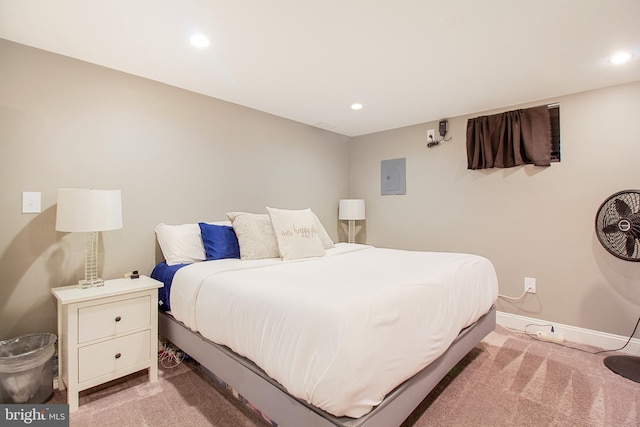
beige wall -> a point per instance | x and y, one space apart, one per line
530 221
68 123
177 157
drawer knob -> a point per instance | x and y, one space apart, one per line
118 319
118 355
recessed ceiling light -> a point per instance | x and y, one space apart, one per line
356 106
199 40
620 58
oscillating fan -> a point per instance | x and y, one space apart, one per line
618 225
618 229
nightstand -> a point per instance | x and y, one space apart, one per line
106 332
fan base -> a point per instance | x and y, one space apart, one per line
626 366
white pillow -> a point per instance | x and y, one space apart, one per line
220 223
327 243
180 244
255 235
297 233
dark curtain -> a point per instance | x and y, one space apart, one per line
509 139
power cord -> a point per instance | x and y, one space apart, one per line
535 337
432 142
169 355
514 298
518 298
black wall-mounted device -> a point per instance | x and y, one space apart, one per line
443 127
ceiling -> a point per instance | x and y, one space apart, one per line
406 61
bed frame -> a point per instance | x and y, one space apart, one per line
272 399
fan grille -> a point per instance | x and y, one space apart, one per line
618 225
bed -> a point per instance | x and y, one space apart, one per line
353 335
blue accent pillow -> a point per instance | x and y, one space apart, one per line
219 241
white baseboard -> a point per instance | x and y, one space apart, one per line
590 337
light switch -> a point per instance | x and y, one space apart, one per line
31 202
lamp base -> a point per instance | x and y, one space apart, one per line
91 279
626 366
352 231
90 283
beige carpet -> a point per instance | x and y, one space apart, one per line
507 380
513 380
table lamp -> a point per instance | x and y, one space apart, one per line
89 211
351 210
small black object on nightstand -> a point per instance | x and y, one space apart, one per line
133 275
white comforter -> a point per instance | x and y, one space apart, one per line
343 330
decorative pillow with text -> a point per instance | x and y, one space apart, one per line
296 232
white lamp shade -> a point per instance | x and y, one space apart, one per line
87 210
351 209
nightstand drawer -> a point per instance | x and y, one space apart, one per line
110 356
107 320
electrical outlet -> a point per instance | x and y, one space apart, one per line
530 285
550 336
431 135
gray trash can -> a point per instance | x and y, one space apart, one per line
26 368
